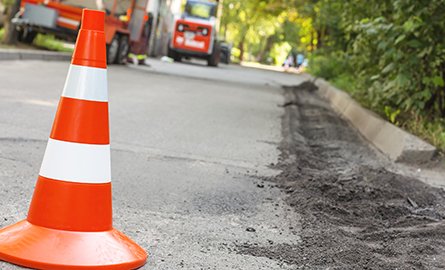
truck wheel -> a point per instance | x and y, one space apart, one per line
172 54
177 58
214 58
112 50
124 49
26 36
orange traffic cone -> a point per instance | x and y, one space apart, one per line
69 224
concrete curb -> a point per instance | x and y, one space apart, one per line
15 54
396 143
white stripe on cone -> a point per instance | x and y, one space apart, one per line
87 83
76 162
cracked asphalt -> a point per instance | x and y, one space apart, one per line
190 145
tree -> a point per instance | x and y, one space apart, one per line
258 25
12 7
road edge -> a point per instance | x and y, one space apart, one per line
17 54
396 143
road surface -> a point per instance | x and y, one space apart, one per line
224 168
187 156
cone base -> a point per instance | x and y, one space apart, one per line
33 246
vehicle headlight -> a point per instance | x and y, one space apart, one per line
205 31
180 27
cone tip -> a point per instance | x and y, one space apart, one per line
93 20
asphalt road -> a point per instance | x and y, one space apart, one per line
190 145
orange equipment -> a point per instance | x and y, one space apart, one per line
69 223
123 22
195 33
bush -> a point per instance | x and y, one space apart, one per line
329 65
432 130
392 59
400 53
345 81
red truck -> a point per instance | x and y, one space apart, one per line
195 34
124 21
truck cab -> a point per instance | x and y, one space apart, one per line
195 34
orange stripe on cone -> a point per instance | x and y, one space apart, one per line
89 49
81 121
106 250
89 205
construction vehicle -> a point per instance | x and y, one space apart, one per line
124 22
195 33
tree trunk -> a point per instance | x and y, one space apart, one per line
241 49
10 36
269 43
442 95
312 41
242 42
225 31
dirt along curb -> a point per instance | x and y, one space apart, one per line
393 141
17 54
354 212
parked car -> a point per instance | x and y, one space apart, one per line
226 52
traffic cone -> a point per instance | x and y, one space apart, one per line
69 224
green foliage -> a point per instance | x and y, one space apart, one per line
430 130
328 65
7 3
390 55
2 32
235 53
396 51
260 27
279 52
392 114
345 81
